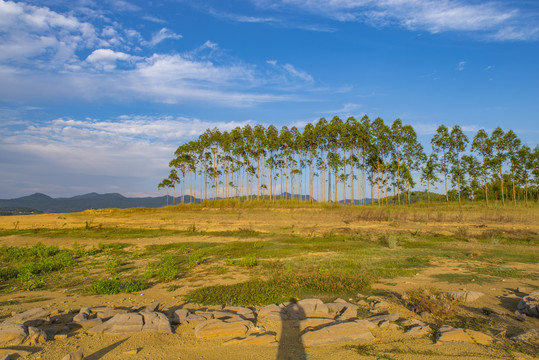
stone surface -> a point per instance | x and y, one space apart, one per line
83 315
154 306
255 339
464 295
529 336
529 305
32 317
75 355
412 322
386 317
341 332
109 313
120 324
450 334
35 336
312 323
273 313
418 331
488 311
12 334
307 308
216 327
156 322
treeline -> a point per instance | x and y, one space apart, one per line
335 161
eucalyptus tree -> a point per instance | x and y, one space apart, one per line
259 152
351 135
309 141
165 184
174 179
441 143
285 143
272 145
321 131
535 165
428 173
472 167
512 145
497 139
364 144
381 134
526 165
296 162
413 156
398 140
335 144
247 149
458 142
482 145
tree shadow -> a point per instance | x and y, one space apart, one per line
290 344
100 353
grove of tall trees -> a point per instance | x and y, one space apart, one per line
351 161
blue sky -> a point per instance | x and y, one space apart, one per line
96 95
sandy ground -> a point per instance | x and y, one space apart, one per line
390 344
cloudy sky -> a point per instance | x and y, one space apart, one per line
95 95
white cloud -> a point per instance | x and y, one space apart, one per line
494 20
162 35
460 65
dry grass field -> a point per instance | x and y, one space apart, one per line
262 253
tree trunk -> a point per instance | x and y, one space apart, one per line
501 179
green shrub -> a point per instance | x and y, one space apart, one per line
249 261
116 286
195 258
432 301
168 268
112 265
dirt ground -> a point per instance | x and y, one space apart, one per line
389 344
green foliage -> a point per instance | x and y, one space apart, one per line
249 261
195 258
116 286
168 268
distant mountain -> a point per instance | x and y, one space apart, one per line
38 203
41 203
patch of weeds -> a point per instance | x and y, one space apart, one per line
469 322
502 273
112 265
192 228
463 278
508 348
229 261
116 286
195 258
432 301
172 288
168 268
249 261
389 241
368 350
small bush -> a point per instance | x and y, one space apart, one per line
116 286
432 301
112 266
168 268
195 258
249 261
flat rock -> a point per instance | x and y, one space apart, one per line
385 317
313 323
156 322
464 295
307 308
32 317
152 307
12 334
83 315
75 355
107 314
412 322
529 305
418 331
341 332
216 327
272 313
450 334
35 336
255 339
120 324
529 336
